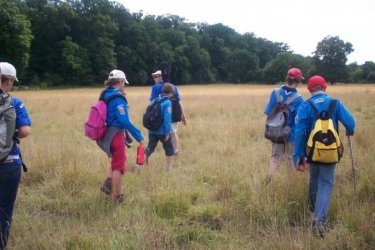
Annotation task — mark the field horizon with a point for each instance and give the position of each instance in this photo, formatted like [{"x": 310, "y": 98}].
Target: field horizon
[{"x": 213, "y": 199}]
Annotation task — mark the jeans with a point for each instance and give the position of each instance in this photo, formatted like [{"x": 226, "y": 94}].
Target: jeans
[
  {"x": 322, "y": 178},
  {"x": 10, "y": 174}
]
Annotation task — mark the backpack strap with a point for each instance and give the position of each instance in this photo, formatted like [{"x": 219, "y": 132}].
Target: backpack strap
[
  {"x": 316, "y": 112},
  {"x": 331, "y": 108},
  {"x": 278, "y": 96},
  {"x": 291, "y": 99}
]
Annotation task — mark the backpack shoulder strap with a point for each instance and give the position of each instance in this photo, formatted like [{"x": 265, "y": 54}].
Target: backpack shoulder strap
[
  {"x": 292, "y": 98},
  {"x": 331, "y": 108},
  {"x": 316, "y": 112},
  {"x": 278, "y": 96}
]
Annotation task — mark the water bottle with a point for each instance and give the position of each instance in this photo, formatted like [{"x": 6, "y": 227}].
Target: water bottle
[{"x": 140, "y": 155}]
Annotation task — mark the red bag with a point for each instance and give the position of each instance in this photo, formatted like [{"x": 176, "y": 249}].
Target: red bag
[{"x": 140, "y": 155}]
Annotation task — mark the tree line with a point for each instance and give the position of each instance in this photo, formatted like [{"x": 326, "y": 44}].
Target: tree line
[{"x": 77, "y": 42}]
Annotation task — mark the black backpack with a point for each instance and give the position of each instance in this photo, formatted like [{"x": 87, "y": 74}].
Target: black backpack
[
  {"x": 176, "y": 109},
  {"x": 153, "y": 117}
]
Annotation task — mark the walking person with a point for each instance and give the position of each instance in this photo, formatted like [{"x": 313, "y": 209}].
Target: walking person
[
  {"x": 321, "y": 174},
  {"x": 163, "y": 133},
  {"x": 18, "y": 122},
  {"x": 113, "y": 142},
  {"x": 178, "y": 113},
  {"x": 286, "y": 94}
]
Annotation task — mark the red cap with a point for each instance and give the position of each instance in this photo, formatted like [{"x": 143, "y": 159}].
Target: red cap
[
  {"x": 316, "y": 80},
  {"x": 294, "y": 73}
]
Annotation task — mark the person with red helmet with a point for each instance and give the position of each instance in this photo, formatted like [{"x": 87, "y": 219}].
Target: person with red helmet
[
  {"x": 321, "y": 174},
  {"x": 285, "y": 94}
]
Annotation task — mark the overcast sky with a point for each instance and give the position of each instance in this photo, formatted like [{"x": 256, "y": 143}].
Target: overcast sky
[{"x": 299, "y": 23}]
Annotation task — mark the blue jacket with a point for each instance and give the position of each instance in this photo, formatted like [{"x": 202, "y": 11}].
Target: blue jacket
[
  {"x": 305, "y": 121},
  {"x": 118, "y": 114},
  {"x": 22, "y": 119},
  {"x": 157, "y": 90},
  {"x": 166, "y": 109},
  {"x": 285, "y": 92}
]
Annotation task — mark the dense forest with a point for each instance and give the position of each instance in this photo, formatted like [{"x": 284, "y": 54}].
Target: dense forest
[{"x": 77, "y": 42}]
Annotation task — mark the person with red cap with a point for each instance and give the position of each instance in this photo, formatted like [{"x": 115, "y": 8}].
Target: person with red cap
[
  {"x": 285, "y": 94},
  {"x": 321, "y": 175}
]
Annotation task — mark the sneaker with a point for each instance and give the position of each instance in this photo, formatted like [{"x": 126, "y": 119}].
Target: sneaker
[
  {"x": 318, "y": 229},
  {"x": 136, "y": 169},
  {"x": 176, "y": 152},
  {"x": 119, "y": 199},
  {"x": 107, "y": 186}
]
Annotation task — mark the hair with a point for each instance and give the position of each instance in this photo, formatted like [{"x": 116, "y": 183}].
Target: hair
[
  {"x": 168, "y": 88},
  {"x": 317, "y": 88},
  {"x": 112, "y": 81},
  {"x": 290, "y": 81}
]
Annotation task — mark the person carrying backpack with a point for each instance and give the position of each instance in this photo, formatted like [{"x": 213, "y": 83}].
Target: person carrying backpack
[
  {"x": 286, "y": 99},
  {"x": 163, "y": 133},
  {"x": 320, "y": 108},
  {"x": 178, "y": 113},
  {"x": 14, "y": 125},
  {"x": 113, "y": 142}
]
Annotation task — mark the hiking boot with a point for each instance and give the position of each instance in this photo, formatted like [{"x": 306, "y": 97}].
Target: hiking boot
[
  {"x": 136, "y": 169},
  {"x": 107, "y": 186},
  {"x": 119, "y": 199},
  {"x": 318, "y": 229}
]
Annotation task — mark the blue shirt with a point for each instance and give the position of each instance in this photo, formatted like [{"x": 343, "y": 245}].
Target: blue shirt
[
  {"x": 286, "y": 92},
  {"x": 22, "y": 119},
  {"x": 118, "y": 114},
  {"x": 157, "y": 90},
  {"x": 305, "y": 121},
  {"x": 166, "y": 109}
]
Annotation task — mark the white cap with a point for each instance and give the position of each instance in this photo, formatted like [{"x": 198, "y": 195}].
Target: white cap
[
  {"x": 118, "y": 74},
  {"x": 157, "y": 73},
  {"x": 8, "y": 69}
]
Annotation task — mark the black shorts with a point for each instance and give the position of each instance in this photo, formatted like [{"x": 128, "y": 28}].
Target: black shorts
[{"x": 153, "y": 142}]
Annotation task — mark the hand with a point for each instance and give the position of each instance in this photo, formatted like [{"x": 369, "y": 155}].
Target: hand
[
  {"x": 302, "y": 164},
  {"x": 183, "y": 120},
  {"x": 166, "y": 138}
]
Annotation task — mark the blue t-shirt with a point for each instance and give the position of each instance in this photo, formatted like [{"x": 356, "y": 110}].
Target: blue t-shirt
[
  {"x": 118, "y": 114},
  {"x": 305, "y": 121},
  {"x": 157, "y": 90},
  {"x": 22, "y": 119}
]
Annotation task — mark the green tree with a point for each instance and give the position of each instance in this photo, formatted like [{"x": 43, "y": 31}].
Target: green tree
[
  {"x": 330, "y": 58},
  {"x": 16, "y": 36}
]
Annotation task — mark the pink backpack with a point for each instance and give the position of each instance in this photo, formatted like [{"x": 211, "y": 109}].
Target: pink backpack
[{"x": 95, "y": 126}]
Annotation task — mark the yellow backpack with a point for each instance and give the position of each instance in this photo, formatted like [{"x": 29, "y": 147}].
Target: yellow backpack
[{"x": 324, "y": 145}]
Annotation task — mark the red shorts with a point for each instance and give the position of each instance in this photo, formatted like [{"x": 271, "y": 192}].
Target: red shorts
[{"x": 118, "y": 153}]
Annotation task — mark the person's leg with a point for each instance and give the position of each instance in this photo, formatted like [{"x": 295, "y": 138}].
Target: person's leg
[
  {"x": 278, "y": 151},
  {"x": 118, "y": 163},
  {"x": 169, "y": 152},
  {"x": 175, "y": 137},
  {"x": 152, "y": 143},
  {"x": 289, "y": 147},
  {"x": 313, "y": 185},
  {"x": 325, "y": 184},
  {"x": 10, "y": 175}
]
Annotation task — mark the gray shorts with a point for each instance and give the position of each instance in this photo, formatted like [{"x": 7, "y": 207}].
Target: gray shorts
[{"x": 282, "y": 151}]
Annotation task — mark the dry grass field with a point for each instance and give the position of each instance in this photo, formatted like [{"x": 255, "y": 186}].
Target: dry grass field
[{"x": 213, "y": 199}]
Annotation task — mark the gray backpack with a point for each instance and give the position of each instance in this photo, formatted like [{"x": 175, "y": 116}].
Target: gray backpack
[
  {"x": 7, "y": 126},
  {"x": 277, "y": 129}
]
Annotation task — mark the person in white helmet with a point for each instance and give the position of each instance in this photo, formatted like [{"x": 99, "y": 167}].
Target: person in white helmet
[{"x": 10, "y": 161}]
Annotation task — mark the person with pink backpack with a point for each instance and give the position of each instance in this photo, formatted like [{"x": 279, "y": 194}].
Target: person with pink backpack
[{"x": 113, "y": 141}]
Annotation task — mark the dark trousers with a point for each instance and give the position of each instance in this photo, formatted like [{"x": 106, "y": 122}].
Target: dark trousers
[{"x": 10, "y": 174}]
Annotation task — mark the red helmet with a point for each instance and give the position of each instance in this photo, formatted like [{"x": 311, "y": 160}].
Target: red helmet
[
  {"x": 316, "y": 80},
  {"x": 294, "y": 73}
]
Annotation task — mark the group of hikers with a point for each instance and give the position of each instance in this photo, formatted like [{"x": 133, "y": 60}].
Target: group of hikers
[
  {"x": 300, "y": 122},
  {"x": 311, "y": 141}
]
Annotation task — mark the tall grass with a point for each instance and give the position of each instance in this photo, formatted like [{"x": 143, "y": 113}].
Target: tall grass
[{"x": 213, "y": 199}]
